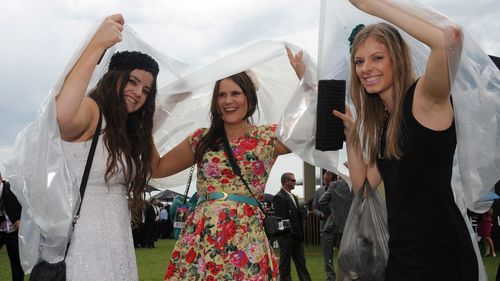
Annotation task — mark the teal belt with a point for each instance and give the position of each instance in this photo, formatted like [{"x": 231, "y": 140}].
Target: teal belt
[{"x": 231, "y": 197}]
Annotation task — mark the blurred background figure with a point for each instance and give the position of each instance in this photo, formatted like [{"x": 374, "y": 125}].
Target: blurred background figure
[
  {"x": 484, "y": 226},
  {"x": 164, "y": 222},
  {"x": 337, "y": 202},
  {"x": 327, "y": 238},
  {"x": 10, "y": 213},
  {"x": 150, "y": 224}
]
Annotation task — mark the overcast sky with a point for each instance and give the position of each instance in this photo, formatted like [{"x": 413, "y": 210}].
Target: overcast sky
[{"x": 38, "y": 37}]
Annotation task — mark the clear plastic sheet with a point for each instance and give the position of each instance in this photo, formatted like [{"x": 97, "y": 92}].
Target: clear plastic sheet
[
  {"x": 186, "y": 108},
  {"x": 297, "y": 127},
  {"x": 282, "y": 100},
  {"x": 475, "y": 92},
  {"x": 40, "y": 177},
  {"x": 364, "y": 249},
  {"x": 182, "y": 106}
]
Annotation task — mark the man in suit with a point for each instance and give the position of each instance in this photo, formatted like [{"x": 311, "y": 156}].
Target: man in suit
[
  {"x": 326, "y": 237},
  {"x": 150, "y": 224},
  {"x": 157, "y": 205},
  {"x": 337, "y": 202},
  {"x": 291, "y": 245},
  {"x": 10, "y": 213},
  {"x": 164, "y": 223}
]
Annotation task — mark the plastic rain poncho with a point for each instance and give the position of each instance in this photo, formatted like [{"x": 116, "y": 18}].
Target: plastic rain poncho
[
  {"x": 282, "y": 100},
  {"x": 475, "y": 91},
  {"x": 46, "y": 186},
  {"x": 41, "y": 179}
]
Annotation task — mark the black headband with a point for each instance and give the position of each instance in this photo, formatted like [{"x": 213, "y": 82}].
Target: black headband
[
  {"x": 130, "y": 60},
  {"x": 354, "y": 32}
]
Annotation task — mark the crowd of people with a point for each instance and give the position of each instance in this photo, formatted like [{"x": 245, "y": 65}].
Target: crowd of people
[
  {"x": 404, "y": 128},
  {"x": 155, "y": 224},
  {"x": 330, "y": 207}
]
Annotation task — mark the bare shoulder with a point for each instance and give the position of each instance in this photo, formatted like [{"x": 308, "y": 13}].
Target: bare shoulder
[
  {"x": 85, "y": 123},
  {"x": 437, "y": 116}
]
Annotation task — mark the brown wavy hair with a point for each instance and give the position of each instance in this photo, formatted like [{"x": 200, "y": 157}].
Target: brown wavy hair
[
  {"x": 212, "y": 139},
  {"x": 369, "y": 108},
  {"x": 127, "y": 137}
]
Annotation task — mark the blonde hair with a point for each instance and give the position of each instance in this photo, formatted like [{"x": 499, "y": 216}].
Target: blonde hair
[{"x": 369, "y": 108}]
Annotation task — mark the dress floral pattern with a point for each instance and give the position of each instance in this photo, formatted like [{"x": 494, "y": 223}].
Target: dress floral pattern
[{"x": 225, "y": 240}]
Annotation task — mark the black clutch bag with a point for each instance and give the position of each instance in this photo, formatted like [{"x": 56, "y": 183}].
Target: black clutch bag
[
  {"x": 330, "y": 129},
  {"x": 44, "y": 271}
]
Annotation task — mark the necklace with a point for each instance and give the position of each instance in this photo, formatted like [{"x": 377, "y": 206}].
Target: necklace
[{"x": 383, "y": 131}]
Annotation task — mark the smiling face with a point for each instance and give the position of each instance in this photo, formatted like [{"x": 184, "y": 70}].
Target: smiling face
[
  {"x": 137, "y": 89},
  {"x": 374, "y": 67},
  {"x": 231, "y": 102}
]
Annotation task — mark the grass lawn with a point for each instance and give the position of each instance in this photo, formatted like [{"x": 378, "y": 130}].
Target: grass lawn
[{"x": 152, "y": 263}]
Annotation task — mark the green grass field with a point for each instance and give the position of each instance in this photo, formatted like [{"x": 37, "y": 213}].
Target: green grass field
[{"x": 152, "y": 263}]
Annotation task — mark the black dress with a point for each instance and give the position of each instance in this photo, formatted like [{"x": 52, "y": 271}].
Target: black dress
[{"x": 429, "y": 239}]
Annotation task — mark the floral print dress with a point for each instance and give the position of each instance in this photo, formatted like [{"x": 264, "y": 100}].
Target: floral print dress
[{"x": 225, "y": 240}]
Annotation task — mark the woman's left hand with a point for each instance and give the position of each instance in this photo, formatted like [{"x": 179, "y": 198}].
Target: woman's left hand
[
  {"x": 347, "y": 120},
  {"x": 297, "y": 62}
]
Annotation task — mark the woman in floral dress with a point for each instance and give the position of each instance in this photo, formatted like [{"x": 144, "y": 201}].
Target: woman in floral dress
[{"x": 224, "y": 238}]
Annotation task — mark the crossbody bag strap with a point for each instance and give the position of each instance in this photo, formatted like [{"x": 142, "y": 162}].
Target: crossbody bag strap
[
  {"x": 86, "y": 173},
  {"x": 88, "y": 165},
  {"x": 236, "y": 169},
  {"x": 188, "y": 183}
]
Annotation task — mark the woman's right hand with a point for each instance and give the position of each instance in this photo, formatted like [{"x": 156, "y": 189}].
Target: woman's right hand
[
  {"x": 109, "y": 32},
  {"x": 346, "y": 119},
  {"x": 297, "y": 62}
]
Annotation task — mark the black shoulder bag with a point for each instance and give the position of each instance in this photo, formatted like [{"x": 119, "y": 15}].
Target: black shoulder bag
[
  {"x": 273, "y": 226},
  {"x": 43, "y": 270}
]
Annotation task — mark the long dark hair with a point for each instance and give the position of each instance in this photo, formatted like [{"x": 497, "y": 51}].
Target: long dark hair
[
  {"x": 212, "y": 139},
  {"x": 127, "y": 137}
]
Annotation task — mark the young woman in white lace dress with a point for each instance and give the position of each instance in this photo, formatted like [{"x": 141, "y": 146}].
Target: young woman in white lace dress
[{"x": 101, "y": 246}]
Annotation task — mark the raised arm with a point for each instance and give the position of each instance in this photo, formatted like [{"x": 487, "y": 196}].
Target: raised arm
[
  {"x": 280, "y": 149},
  {"x": 75, "y": 113},
  {"x": 297, "y": 62},
  {"x": 443, "y": 37},
  {"x": 359, "y": 169},
  {"x": 174, "y": 161}
]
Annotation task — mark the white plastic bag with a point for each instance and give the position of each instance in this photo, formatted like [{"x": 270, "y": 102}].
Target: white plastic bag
[{"x": 364, "y": 249}]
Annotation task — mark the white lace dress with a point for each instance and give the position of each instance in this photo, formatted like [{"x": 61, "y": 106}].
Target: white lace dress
[{"x": 101, "y": 246}]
